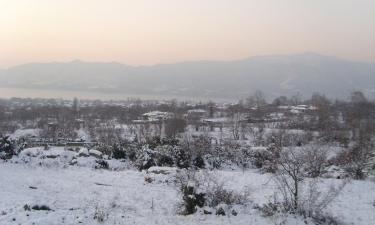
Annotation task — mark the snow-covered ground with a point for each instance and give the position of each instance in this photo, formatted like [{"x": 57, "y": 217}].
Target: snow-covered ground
[
  {"x": 24, "y": 133},
  {"x": 77, "y": 193}
]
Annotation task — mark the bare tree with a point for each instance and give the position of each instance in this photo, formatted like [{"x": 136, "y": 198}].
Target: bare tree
[
  {"x": 296, "y": 99},
  {"x": 322, "y": 111},
  {"x": 258, "y": 99},
  {"x": 301, "y": 194},
  {"x": 289, "y": 177},
  {"x": 235, "y": 126},
  {"x": 257, "y": 132},
  {"x": 174, "y": 126},
  {"x": 358, "y": 97}
]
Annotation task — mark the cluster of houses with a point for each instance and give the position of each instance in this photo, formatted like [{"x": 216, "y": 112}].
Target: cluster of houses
[
  {"x": 298, "y": 109},
  {"x": 69, "y": 143},
  {"x": 154, "y": 122},
  {"x": 54, "y": 136},
  {"x": 198, "y": 118}
]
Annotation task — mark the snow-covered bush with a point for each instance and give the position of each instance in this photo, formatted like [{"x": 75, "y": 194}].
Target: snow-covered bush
[
  {"x": 198, "y": 162},
  {"x": 7, "y": 148},
  {"x": 145, "y": 158},
  {"x": 243, "y": 157},
  {"x": 259, "y": 156},
  {"x": 101, "y": 164},
  {"x": 118, "y": 152},
  {"x": 164, "y": 155},
  {"x": 316, "y": 160},
  {"x": 104, "y": 148},
  {"x": 157, "y": 141},
  {"x": 131, "y": 150},
  {"x": 182, "y": 157},
  {"x": 202, "y": 188},
  {"x": 271, "y": 208},
  {"x": 191, "y": 199},
  {"x": 272, "y": 158},
  {"x": 227, "y": 154},
  {"x": 164, "y": 160},
  {"x": 354, "y": 160},
  {"x": 100, "y": 214},
  {"x": 217, "y": 195},
  {"x": 192, "y": 196},
  {"x": 200, "y": 146}
]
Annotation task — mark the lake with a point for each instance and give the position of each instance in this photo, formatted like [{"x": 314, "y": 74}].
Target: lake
[{"x": 64, "y": 94}]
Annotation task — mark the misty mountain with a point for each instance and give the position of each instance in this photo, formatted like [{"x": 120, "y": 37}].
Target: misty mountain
[{"x": 274, "y": 75}]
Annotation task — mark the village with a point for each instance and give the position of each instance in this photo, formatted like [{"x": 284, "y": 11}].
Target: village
[{"x": 76, "y": 130}]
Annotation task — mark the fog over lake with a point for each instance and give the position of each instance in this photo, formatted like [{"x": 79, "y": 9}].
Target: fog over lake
[{"x": 90, "y": 95}]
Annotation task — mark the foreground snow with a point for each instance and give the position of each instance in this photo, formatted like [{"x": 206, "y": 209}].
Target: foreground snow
[{"x": 75, "y": 193}]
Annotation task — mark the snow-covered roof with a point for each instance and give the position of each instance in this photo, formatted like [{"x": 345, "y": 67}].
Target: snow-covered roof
[
  {"x": 216, "y": 120},
  {"x": 197, "y": 111},
  {"x": 283, "y": 107},
  {"x": 156, "y": 115}
]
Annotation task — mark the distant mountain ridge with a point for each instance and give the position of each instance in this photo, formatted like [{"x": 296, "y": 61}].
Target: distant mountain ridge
[{"x": 275, "y": 75}]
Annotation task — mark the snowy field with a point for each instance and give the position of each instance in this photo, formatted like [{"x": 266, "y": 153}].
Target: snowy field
[{"x": 75, "y": 194}]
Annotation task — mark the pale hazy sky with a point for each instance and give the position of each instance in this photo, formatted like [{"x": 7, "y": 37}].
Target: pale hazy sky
[{"x": 161, "y": 31}]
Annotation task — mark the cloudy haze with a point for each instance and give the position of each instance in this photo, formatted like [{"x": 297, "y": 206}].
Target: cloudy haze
[{"x": 165, "y": 31}]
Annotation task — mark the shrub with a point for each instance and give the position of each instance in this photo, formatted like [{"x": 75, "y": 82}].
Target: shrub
[
  {"x": 27, "y": 207},
  {"x": 199, "y": 188},
  {"x": 217, "y": 195},
  {"x": 316, "y": 160},
  {"x": 118, "y": 152},
  {"x": 131, "y": 151},
  {"x": 100, "y": 215},
  {"x": 200, "y": 145},
  {"x": 327, "y": 219},
  {"x": 154, "y": 142},
  {"x": 101, "y": 164},
  {"x": 214, "y": 162},
  {"x": 188, "y": 185},
  {"x": 165, "y": 160},
  {"x": 219, "y": 155},
  {"x": 243, "y": 157},
  {"x": 260, "y": 157},
  {"x": 145, "y": 158},
  {"x": 181, "y": 157},
  {"x": 7, "y": 148},
  {"x": 191, "y": 199},
  {"x": 354, "y": 160},
  {"x": 170, "y": 141},
  {"x": 271, "y": 208},
  {"x": 220, "y": 211},
  {"x": 164, "y": 155},
  {"x": 41, "y": 207},
  {"x": 198, "y": 162}
]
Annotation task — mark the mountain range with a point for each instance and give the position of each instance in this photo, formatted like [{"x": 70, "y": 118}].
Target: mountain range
[{"x": 275, "y": 75}]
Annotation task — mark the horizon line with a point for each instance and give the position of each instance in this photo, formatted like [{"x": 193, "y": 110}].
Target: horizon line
[{"x": 188, "y": 61}]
